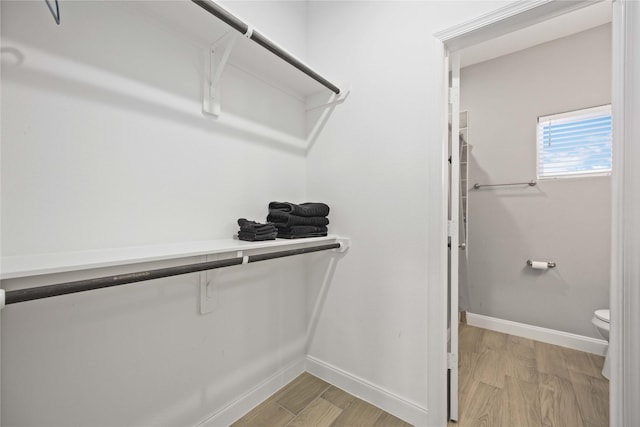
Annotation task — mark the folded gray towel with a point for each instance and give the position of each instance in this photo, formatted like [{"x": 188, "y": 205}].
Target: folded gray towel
[
  {"x": 281, "y": 219},
  {"x": 302, "y": 229},
  {"x": 300, "y": 236},
  {"x": 303, "y": 209},
  {"x": 255, "y": 227},
  {"x": 252, "y": 237}
]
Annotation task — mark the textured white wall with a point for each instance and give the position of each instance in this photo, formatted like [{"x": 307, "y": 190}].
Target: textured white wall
[{"x": 564, "y": 220}]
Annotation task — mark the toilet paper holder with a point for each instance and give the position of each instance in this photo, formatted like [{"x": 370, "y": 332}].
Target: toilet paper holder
[{"x": 550, "y": 264}]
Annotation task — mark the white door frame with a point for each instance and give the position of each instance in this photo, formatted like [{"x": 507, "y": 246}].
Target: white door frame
[
  {"x": 452, "y": 229},
  {"x": 624, "y": 345},
  {"x": 625, "y": 268}
]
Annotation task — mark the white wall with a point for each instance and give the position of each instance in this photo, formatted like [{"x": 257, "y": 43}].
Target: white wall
[
  {"x": 379, "y": 162},
  {"x": 104, "y": 145},
  {"x": 107, "y": 118},
  {"x": 564, "y": 220}
]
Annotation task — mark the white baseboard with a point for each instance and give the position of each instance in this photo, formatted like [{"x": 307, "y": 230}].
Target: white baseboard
[
  {"x": 378, "y": 396},
  {"x": 243, "y": 404},
  {"x": 551, "y": 336}
]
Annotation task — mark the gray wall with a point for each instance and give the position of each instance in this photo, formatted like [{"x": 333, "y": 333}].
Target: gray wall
[{"x": 564, "y": 220}]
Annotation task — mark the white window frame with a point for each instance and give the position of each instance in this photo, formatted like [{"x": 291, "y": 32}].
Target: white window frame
[{"x": 565, "y": 117}]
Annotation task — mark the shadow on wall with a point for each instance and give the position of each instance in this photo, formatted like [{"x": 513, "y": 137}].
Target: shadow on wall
[
  {"x": 143, "y": 67},
  {"x": 185, "y": 113},
  {"x": 321, "y": 271}
]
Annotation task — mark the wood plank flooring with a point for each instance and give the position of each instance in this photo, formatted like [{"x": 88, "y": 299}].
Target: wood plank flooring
[
  {"x": 504, "y": 381},
  {"x": 311, "y": 402},
  {"x": 511, "y": 381}
]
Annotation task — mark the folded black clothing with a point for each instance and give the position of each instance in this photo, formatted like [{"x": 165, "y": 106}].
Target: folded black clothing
[
  {"x": 303, "y": 209},
  {"x": 261, "y": 234},
  {"x": 247, "y": 225},
  {"x": 302, "y": 229},
  {"x": 258, "y": 228},
  {"x": 300, "y": 236},
  {"x": 252, "y": 237},
  {"x": 281, "y": 219}
]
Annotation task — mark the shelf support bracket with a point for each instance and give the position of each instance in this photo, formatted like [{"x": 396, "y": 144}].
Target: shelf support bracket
[
  {"x": 320, "y": 118},
  {"x": 208, "y": 289},
  {"x": 215, "y": 60}
]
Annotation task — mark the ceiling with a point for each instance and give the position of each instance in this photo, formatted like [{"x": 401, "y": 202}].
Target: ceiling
[{"x": 555, "y": 28}]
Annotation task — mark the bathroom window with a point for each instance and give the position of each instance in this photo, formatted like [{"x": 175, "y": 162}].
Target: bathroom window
[{"x": 577, "y": 143}]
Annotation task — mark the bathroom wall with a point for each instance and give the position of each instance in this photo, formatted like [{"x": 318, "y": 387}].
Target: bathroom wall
[
  {"x": 564, "y": 220},
  {"x": 104, "y": 145}
]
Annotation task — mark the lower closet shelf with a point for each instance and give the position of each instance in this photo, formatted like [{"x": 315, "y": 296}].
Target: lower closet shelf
[
  {"x": 14, "y": 267},
  {"x": 285, "y": 248}
]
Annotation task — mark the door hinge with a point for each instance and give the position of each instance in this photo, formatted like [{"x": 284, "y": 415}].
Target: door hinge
[
  {"x": 452, "y": 360},
  {"x": 454, "y": 95},
  {"x": 452, "y": 228}
]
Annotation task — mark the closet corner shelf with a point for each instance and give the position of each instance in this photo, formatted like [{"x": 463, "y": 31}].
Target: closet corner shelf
[
  {"x": 14, "y": 267},
  {"x": 253, "y": 51}
]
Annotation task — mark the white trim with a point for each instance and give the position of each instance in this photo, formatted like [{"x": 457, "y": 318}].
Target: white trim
[
  {"x": 616, "y": 377},
  {"x": 436, "y": 257},
  {"x": 233, "y": 411},
  {"x": 382, "y": 398},
  {"x": 625, "y": 275},
  {"x": 454, "y": 254},
  {"x": 511, "y": 17},
  {"x": 551, "y": 336}
]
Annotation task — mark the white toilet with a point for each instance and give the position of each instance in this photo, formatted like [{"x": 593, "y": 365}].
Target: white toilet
[{"x": 601, "y": 319}]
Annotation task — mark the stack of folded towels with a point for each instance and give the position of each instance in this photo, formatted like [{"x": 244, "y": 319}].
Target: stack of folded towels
[
  {"x": 298, "y": 221},
  {"x": 254, "y": 231}
]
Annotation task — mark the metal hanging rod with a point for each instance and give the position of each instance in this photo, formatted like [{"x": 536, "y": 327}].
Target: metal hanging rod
[
  {"x": 233, "y": 21},
  {"x": 530, "y": 184},
  {"x": 39, "y": 292},
  {"x": 56, "y": 13}
]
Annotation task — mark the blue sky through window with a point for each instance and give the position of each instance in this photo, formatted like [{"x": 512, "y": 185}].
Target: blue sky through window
[{"x": 575, "y": 143}]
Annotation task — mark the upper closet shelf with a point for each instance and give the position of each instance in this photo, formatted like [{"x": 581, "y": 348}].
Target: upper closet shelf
[
  {"x": 212, "y": 25},
  {"x": 14, "y": 267}
]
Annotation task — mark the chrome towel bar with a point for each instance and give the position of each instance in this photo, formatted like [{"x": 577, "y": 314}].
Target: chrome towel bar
[{"x": 530, "y": 184}]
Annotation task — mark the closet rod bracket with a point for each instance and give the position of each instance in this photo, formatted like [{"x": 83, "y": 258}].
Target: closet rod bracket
[
  {"x": 345, "y": 244},
  {"x": 215, "y": 61},
  {"x": 336, "y": 99}
]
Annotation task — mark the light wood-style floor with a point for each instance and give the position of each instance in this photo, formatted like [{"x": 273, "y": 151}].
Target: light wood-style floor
[
  {"x": 504, "y": 381},
  {"x": 310, "y": 401},
  {"x": 510, "y": 381}
]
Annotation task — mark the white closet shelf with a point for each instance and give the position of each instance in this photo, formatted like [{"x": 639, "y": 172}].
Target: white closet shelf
[
  {"x": 14, "y": 267},
  {"x": 206, "y": 30}
]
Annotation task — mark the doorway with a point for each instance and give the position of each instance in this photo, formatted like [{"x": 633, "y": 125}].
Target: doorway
[{"x": 457, "y": 47}]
